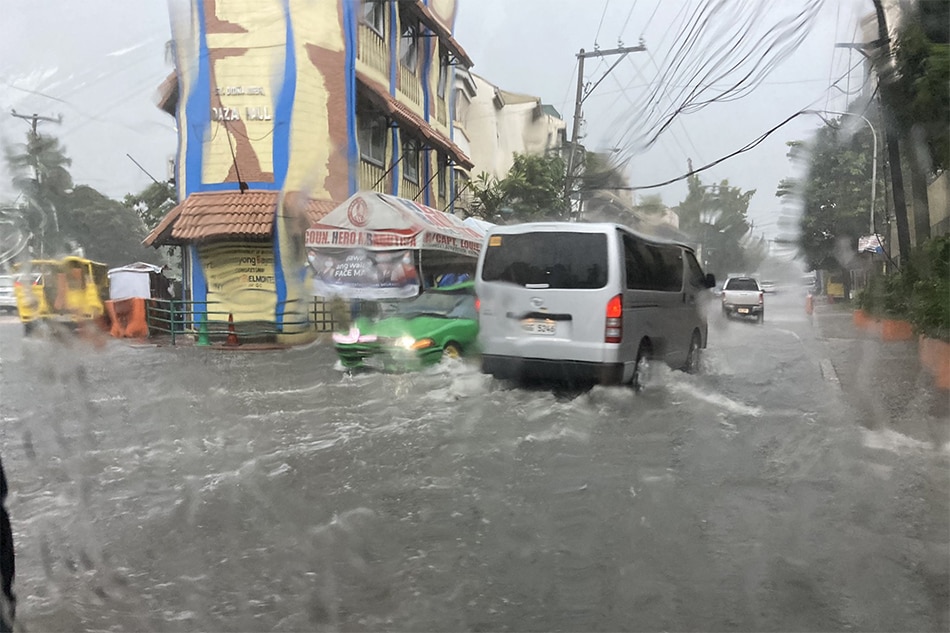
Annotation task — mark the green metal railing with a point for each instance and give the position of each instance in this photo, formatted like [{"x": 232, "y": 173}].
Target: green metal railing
[{"x": 206, "y": 321}]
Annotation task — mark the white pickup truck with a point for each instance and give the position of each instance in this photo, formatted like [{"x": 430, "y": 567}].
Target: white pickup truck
[{"x": 742, "y": 297}]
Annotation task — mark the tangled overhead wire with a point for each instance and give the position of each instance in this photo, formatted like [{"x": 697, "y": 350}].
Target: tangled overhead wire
[{"x": 723, "y": 51}]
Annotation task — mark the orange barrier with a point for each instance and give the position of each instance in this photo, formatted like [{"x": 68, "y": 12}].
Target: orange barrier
[
  {"x": 128, "y": 318},
  {"x": 232, "y": 335},
  {"x": 896, "y": 330},
  {"x": 809, "y": 304}
]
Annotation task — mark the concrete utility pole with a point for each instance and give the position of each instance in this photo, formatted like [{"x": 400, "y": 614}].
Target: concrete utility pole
[
  {"x": 36, "y": 118},
  {"x": 582, "y": 95}
]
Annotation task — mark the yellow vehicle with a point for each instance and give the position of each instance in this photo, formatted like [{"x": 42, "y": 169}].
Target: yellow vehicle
[{"x": 71, "y": 290}]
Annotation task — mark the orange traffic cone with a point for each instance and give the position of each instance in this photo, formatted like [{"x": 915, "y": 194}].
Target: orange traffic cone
[{"x": 232, "y": 335}]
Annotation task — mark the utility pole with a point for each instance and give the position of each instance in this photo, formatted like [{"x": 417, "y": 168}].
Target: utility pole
[
  {"x": 35, "y": 119},
  {"x": 582, "y": 94}
]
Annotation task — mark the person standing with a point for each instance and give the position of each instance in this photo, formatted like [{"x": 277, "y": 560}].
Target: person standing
[{"x": 7, "y": 565}]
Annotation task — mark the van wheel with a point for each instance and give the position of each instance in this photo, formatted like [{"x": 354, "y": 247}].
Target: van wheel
[
  {"x": 641, "y": 371},
  {"x": 451, "y": 350},
  {"x": 694, "y": 355}
]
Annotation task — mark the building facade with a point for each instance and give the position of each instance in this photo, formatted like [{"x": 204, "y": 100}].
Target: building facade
[
  {"x": 286, "y": 108},
  {"x": 492, "y": 125}
]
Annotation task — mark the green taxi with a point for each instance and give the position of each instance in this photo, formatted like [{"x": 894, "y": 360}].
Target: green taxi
[{"x": 440, "y": 322}]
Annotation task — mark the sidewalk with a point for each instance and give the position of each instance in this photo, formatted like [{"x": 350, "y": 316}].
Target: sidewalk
[{"x": 884, "y": 381}]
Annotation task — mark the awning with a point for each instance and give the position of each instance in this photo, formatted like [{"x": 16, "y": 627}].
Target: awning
[
  {"x": 406, "y": 117},
  {"x": 379, "y": 222},
  {"x": 222, "y": 214}
]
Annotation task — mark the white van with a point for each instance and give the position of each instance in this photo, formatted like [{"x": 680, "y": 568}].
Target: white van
[{"x": 587, "y": 303}]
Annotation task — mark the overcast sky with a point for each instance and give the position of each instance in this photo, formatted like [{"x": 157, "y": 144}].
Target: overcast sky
[{"x": 98, "y": 64}]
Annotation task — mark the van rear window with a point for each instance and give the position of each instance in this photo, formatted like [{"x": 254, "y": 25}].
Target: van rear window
[{"x": 548, "y": 260}]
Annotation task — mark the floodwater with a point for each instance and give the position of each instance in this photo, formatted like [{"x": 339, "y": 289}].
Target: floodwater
[{"x": 184, "y": 489}]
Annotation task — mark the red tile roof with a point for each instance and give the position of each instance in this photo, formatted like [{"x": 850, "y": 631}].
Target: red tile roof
[
  {"x": 405, "y": 116},
  {"x": 425, "y": 14},
  {"x": 219, "y": 214}
]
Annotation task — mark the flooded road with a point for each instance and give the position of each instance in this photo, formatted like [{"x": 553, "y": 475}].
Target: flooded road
[{"x": 182, "y": 489}]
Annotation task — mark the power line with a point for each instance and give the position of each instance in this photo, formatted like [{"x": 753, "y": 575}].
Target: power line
[
  {"x": 745, "y": 148},
  {"x": 602, "y": 16}
]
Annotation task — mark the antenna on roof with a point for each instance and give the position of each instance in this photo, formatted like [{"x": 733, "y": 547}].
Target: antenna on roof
[{"x": 237, "y": 172}]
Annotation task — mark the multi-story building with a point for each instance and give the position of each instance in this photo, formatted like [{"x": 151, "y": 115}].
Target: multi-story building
[
  {"x": 492, "y": 125},
  {"x": 287, "y": 107}
]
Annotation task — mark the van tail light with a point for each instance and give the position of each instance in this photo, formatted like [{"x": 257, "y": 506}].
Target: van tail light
[
  {"x": 478, "y": 304},
  {"x": 613, "y": 332}
]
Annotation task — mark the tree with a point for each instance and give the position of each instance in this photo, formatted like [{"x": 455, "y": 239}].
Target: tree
[
  {"x": 716, "y": 216},
  {"x": 604, "y": 189},
  {"x": 153, "y": 203},
  {"x": 60, "y": 218},
  {"x": 107, "y": 230},
  {"x": 532, "y": 190},
  {"x": 833, "y": 196},
  {"x": 921, "y": 87},
  {"x": 40, "y": 175},
  {"x": 917, "y": 94}
]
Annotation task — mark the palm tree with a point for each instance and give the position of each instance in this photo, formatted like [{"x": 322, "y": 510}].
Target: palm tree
[{"x": 40, "y": 174}]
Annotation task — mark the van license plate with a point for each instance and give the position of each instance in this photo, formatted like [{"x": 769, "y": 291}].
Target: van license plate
[
  {"x": 539, "y": 327},
  {"x": 743, "y": 310}
]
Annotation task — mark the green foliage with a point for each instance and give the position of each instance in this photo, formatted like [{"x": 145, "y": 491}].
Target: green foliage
[
  {"x": 107, "y": 230},
  {"x": 60, "y": 217},
  {"x": 920, "y": 292},
  {"x": 717, "y": 217},
  {"x": 835, "y": 193},
  {"x": 651, "y": 205},
  {"x": 919, "y": 95},
  {"x": 40, "y": 175},
  {"x": 533, "y": 189},
  {"x": 153, "y": 203}
]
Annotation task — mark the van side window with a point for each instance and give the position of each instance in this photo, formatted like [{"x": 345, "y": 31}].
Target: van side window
[
  {"x": 696, "y": 277},
  {"x": 671, "y": 268},
  {"x": 651, "y": 266},
  {"x": 638, "y": 262}
]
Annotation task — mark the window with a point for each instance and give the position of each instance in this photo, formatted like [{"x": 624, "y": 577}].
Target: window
[
  {"x": 462, "y": 104},
  {"x": 372, "y": 131},
  {"x": 374, "y": 16},
  {"x": 443, "y": 75},
  {"x": 548, "y": 259},
  {"x": 409, "y": 41},
  {"x": 696, "y": 276},
  {"x": 443, "y": 167},
  {"x": 410, "y": 160},
  {"x": 652, "y": 267}
]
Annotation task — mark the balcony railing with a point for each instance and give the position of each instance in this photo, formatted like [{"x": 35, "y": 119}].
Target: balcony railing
[
  {"x": 409, "y": 85},
  {"x": 372, "y": 50},
  {"x": 410, "y": 190},
  {"x": 441, "y": 111},
  {"x": 369, "y": 175}
]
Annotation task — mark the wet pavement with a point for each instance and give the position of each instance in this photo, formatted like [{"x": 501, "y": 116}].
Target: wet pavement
[{"x": 183, "y": 489}]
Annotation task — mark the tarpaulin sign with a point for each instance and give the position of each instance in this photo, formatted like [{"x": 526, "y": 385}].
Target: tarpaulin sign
[{"x": 362, "y": 274}]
